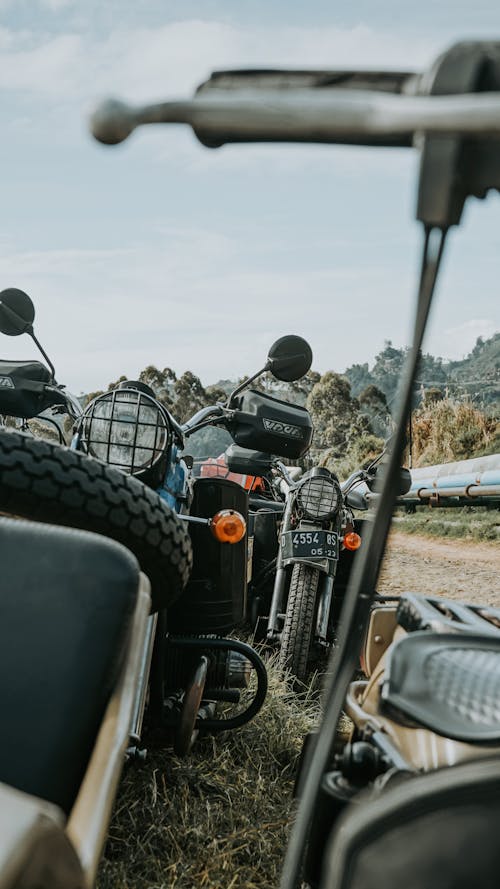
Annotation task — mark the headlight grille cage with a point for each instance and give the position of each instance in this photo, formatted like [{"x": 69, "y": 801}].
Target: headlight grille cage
[
  {"x": 319, "y": 497},
  {"x": 127, "y": 429}
]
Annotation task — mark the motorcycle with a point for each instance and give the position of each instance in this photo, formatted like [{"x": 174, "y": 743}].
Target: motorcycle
[
  {"x": 319, "y": 535},
  {"x": 423, "y": 816},
  {"x": 307, "y": 536},
  {"x": 132, "y": 446}
]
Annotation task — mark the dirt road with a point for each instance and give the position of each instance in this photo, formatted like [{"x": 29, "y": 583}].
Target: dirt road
[{"x": 458, "y": 569}]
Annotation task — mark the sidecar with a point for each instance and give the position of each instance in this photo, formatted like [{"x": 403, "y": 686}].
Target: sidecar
[{"x": 74, "y": 611}]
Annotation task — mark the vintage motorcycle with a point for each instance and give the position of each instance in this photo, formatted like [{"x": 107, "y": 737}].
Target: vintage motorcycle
[
  {"x": 127, "y": 433},
  {"x": 306, "y": 531},
  {"x": 422, "y": 770}
]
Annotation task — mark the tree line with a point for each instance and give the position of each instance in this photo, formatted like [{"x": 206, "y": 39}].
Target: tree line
[{"x": 352, "y": 412}]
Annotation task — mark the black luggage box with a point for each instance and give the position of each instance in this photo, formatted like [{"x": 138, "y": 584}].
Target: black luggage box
[{"x": 268, "y": 424}]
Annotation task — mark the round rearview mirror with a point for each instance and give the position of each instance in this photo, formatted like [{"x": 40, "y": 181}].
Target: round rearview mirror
[
  {"x": 17, "y": 312},
  {"x": 289, "y": 358},
  {"x": 404, "y": 481}
]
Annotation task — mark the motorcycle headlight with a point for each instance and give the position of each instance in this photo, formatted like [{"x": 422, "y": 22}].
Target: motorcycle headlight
[
  {"x": 126, "y": 429},
  {"x": 319, "y": 496}
]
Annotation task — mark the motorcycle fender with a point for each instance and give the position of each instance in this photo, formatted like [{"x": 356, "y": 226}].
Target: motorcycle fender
[
  {"x": 327, "y": 566},
  {"x": 214, "y": 599}
]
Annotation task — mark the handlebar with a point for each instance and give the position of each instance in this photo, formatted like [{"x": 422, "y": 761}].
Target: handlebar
[
  {"x": 330, "y": 115},
  {"x": 65, "y": 399},
  {"x": 202, "y": 418}
]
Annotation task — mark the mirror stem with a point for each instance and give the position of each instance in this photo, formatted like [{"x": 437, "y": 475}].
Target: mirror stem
[
  {"x": 245, "y": 384},
  {"x": 29, "y": 330}
]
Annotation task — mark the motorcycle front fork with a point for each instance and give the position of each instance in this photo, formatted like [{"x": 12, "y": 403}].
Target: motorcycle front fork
[{"x": 276, "y": 612}]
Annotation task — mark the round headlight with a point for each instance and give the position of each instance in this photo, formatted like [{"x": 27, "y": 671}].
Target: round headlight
[
  {"x": 319, "y": 497},
  {"x": 126, "y": 429}
]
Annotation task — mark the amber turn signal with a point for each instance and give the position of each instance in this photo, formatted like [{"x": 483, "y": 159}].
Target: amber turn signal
[
  {"x": 228, "y": 526},
  {"x": 352, "y": 541}
]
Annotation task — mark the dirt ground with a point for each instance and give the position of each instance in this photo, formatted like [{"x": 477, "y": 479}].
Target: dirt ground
[{"x": 458, "y": 569}]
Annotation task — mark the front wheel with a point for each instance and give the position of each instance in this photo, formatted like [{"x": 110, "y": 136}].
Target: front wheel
[{"x": 299, "y": 620}]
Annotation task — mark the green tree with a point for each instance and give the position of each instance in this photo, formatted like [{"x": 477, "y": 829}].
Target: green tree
[
  {"x": 359, "y": 377},
  {"x": 336, "y": 415},
  {"x": 189, "y": 396},
  {"x": 162, "y": 383},
  {"x": 373, "y": 405},
  {"x": 387, "y": 369}
]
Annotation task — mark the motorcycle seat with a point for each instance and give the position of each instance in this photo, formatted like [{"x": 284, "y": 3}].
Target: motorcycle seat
[
  {"x": 447, "y": 682},
  {"x": 67, "y": 599}
]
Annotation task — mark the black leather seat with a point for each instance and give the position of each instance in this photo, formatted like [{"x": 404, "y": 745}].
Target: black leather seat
[
  {"x": 448, "y": 682},
  {"x": 66, "y": 603}
]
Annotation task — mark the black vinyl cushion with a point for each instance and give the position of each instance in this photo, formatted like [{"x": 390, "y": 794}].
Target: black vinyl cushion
[
  {"x": 433, "y": 831},
  {"x": 66, "y": 603},
  {"x": 25, "y": 395},
  {"x": 449, "y": 683}
]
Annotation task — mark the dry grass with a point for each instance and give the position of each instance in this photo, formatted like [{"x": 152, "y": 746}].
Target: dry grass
[
  {"x": 446, "y": 430},
  {"x": 467, "y": 522},
  {"x": 220, "y": 817}
]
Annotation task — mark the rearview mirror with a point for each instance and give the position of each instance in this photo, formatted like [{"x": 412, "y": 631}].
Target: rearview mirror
[
  {"x": 289, "y": 358},
  {"x": 17, "y": 312},
  {"x": 404, "y": 485}
]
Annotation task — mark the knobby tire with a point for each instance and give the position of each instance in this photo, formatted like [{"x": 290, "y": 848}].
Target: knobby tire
[{"x": 49, "y": 483}]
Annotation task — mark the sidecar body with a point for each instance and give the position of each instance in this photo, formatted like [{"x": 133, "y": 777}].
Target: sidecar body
[{"x": 74, "y": 610}]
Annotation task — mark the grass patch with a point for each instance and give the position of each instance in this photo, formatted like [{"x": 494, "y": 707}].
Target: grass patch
[
  {"x": 470, "y": 523},
  {"x": 220, "y": 817}
]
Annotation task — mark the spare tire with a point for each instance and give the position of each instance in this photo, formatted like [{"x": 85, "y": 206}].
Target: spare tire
[{"x": 50, "y": 483}]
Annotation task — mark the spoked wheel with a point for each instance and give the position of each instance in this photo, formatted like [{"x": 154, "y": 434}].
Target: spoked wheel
[
  {"x": 298, "y": 627},
  {"x": 49, "y": 483}
]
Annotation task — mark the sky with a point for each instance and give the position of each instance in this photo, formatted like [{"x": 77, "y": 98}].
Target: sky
[{"x": 160, "y": 251}]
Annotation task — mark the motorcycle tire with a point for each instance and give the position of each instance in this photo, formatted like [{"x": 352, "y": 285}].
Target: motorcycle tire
[
  {"x": 298, "y": 627},
  {"x": 49, "y": 483}
]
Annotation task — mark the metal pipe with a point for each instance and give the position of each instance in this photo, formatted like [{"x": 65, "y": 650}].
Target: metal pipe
[
  {"x": 324, "y": 606},
  {"x": 276, "y": 602},
  {"x": 472, "y": 491},
  {"x": 142, "y": 685},
  {"x": 326, "y": 115}
]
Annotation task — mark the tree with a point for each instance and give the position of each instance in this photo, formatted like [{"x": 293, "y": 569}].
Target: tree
[
  {"x": 162, "y": 383},
  {"x": 189, "y": 396},
  {"x": 387, "y": 369},
  {"x": 298, "y": 391},
  {"x": 373, "y": 406},
  {"x": 335, "y": 414},
  {"x": 359, "y": 377}
]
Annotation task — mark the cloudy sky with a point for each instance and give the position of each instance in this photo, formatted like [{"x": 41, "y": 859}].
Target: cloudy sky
[{"x": 161, "y": 251}]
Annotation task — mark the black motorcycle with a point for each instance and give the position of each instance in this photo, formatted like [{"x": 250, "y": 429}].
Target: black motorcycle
[
  {"x": 309, "y": 530},
  {"x": 123, "y": 477}
]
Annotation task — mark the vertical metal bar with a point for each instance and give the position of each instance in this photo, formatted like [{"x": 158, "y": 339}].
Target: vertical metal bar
[
  {"x": 325, "y": 595},
  {"x": 276, "y": 602},
  {"x": 142, "y": 685}
]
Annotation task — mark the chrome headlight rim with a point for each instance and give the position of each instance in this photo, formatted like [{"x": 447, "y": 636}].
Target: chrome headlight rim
[
  {"x": 145, "y": 414},
  {"x": 319, "y": 497}
]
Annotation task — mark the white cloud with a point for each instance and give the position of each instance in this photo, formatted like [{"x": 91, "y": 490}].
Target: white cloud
[
  {"x": 52, "y": 67},
  {"x": 197, "y": 300},
  {"x": 143, "y": 63}
]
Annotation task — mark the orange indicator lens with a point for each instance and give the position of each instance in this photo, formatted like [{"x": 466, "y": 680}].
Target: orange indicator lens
[
  {"x": 228, "y": 526},
  {"x": 352, "y": 541}
]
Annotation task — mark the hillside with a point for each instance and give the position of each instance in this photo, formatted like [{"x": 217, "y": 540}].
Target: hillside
[{"x": 477, "y": 375}]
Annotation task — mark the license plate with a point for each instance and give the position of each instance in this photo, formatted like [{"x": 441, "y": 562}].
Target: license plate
[{"x": 310, "y": 544}]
